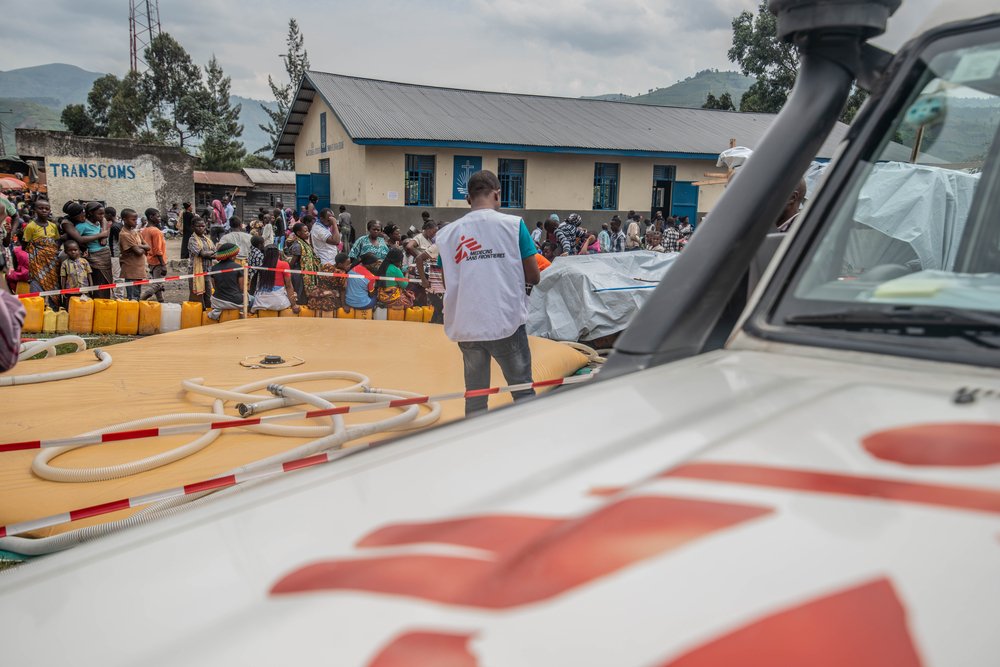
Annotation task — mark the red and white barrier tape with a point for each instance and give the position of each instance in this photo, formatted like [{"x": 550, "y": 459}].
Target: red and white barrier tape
[
  {"x": 153, "y": 281},
  {"x": 110, "y": 286},
  {"x": 212, "y": 484},
  {"x": 140, "y": 434}
]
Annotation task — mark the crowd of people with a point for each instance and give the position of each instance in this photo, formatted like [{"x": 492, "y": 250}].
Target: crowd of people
[
  {"x": 556, "y": 237},
  {"x": 272, "y": 263},
  {"x": 281, "y": 242},
  {"x": 43, "y": 251}
]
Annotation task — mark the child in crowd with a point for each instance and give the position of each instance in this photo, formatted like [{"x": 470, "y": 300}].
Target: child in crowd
[
  {"x": 254, "y": 259},
  {"x": 17, "y": 272},
  {"x": 654, "y": 241},
  {"x": 393, "y": 295},
  {"x": 228, "y": 292},
  {"x": 200, "y": 250},
  {"x": 75, "y": 270},
  {"x": 329, "y": 292},
  {"x": 274, "y": 289},
  {"x": 360, "y": 293},
  {"x": 152, "y": 235},
  {"x": 133, "y": 257}
]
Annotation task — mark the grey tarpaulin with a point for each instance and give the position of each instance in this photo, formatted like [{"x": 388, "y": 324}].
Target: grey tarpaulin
[
  {"x": 565, "y": 305},
  {"x": 922, "y": 206}
]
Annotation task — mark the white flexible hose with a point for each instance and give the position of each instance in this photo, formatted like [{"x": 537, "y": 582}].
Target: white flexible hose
[
  {"x": 41, "y": 467},
  {"x": 328, "y": 437},
  {"x": 34, "y": 348},
  {"x": 593, "y": 356}
]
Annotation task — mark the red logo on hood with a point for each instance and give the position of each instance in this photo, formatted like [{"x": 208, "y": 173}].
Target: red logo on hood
[{"x": 530, "y": 559}]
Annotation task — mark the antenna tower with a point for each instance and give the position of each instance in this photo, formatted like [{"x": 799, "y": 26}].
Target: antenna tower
[{"x": 144, "y": 27}]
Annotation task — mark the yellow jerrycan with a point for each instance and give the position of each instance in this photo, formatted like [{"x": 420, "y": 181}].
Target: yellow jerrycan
[
  {"x": 150, "y": 314},
  {"x": 34, "y": 314},
  {"x": 62, "y": 321},
  {"x": 81, "y": 315},
  {"x": 128, "y": 318},
  {"x": 49, "y": 321},
  {"x": 190, "y": 314},
  {"x": 105, "y": 316}
]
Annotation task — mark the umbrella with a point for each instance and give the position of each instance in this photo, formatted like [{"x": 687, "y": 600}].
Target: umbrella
[{"x": 11, "y": 184}]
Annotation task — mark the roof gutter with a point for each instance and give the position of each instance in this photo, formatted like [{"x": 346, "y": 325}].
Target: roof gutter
[
  {"x": 527, "y": 148},
  {"x": 682, "y": 312}
]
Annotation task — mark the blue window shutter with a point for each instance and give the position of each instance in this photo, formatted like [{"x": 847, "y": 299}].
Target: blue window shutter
[{"x": 511, "y": 174}]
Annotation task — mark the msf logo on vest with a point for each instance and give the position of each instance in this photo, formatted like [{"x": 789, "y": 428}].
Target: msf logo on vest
[
  {"x": 466, "y": 246},
  {"x": 470, "y": 249}
]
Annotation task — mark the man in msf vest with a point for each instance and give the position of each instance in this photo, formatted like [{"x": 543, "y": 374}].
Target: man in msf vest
[{"x": 487, "y": 257}]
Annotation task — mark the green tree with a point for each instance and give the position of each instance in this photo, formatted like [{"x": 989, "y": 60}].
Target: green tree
[
  {"x": 78, "y": 121},
  {"x": 296, "y": 61},
  {"x": 775, "y": 64},
  {"x": 102, "y": 92},
  {"x": 115, "y": 108},
  {"x": 128, "y": 116},
  {"x": 723, "y": 102},
  {"x": 759, "y": 54},
  {"x": 854, "y": 102},
  {"x": 255, "y": 162},
  {"x": 221, "y": 149},
  {"x": 182, "y": 111}
]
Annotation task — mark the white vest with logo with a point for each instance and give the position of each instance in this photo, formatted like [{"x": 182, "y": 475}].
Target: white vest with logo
[{"x": 484, "y": 279}]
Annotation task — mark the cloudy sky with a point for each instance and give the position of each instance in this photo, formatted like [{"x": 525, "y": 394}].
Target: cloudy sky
[{"x": 552, "y": 47}]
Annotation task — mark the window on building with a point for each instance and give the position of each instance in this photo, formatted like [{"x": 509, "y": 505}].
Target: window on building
[
  {"x": 511, "y": 183},
  {"x": 322, "y": 133},
  {"x": 324, "y": 166},
  {"x": 605, "y": 186},
  {"x": 420, "y": 180},
  {"x": 664, "y": 172}
]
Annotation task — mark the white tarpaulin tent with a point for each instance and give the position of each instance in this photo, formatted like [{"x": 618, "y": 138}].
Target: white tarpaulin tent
[
  {"x": 924, "y": 207},
  {"x": 591, "y": 296}
]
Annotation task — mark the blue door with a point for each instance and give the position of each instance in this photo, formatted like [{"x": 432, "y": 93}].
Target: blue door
[
  {"x": 685, "y": 201},
  {"x": 312, "y": 184}
]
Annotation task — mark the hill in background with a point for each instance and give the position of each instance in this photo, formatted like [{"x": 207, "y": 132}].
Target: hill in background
[
  {"x": 37, "y": 96},
  {"x": 54, "y": 85},
  {"x": 691, "y": 92},
  {"x": 611, "y": 97},
  {"x": 252, "y": 117},
  {"x": 25, "y": 114}
]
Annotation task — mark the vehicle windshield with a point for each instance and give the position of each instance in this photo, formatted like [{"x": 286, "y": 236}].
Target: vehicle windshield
[{"x": 917, "y": 233}]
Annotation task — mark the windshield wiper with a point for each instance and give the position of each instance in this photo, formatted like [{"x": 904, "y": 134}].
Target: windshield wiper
[
  {"x": 899, "y": 316},
  {"x": 908, "y": 320}
]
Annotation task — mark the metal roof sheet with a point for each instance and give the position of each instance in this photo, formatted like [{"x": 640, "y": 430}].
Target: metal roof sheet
[
  {"x": 228, "y": 178},
  {"x": 372, "y": 110},
  {"x": 270, "y": 176}
]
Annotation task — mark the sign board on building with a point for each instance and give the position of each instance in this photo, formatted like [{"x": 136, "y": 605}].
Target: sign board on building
[
  {"x": 118, "y": 172},
  {"x": 328, "y": 148},
  {"x": 465, "y": 166},
  {"x": 392, "y": 196},
  {"x": 121, "y": 183}
]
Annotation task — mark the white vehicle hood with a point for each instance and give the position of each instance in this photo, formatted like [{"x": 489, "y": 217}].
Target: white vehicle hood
[{"x": 736, "y": 508}]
